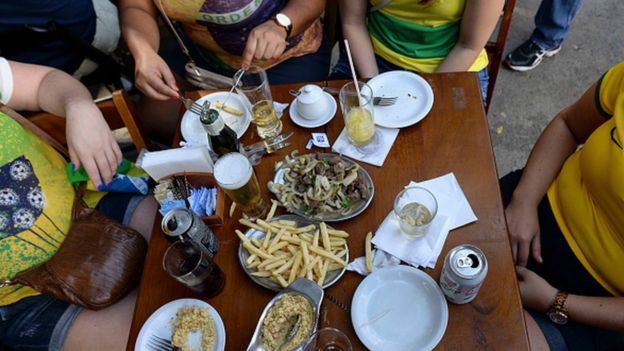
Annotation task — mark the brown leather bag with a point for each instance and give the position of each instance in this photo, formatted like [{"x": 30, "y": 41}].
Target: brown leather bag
[{"x": 99, "y": 261}]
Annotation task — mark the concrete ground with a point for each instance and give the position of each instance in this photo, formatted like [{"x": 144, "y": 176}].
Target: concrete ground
[{"x": 524, "y": 102}]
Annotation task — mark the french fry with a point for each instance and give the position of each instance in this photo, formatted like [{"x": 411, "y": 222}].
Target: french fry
[
  {"x": 328, "y": 254},
  {"x": 261, "y": 274},
  {"x": 272, "y": 210},
  {"x": 295, "y": 268},
  {"x": 338, "y": 233},
  {"x": 325, "y": 236},
  {"x": 305, "y": 254},
  {"x": 250, "y": 224},
  {"x": 229, "y": 109},
  {"x": 284, "y": 267},
  {"x": 368, "y": 251},
  {"x": 276, "y": 247},
  {"x": 307, "y": 228},
  {"x": 232, "y": 208},
  {"x": 250, "y": 259},
  {"x": 315, "y": 239},
  {"x": 256, "y": 242},
  {"x": 266, "y": 240},
  {"x": 281, "y": 280},
  {"x": 274, "y": 265},
  {"x": 321, "y": 276}
]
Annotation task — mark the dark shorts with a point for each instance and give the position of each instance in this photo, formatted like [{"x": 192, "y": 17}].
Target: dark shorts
[
  {"x": 42, "y": 322},
  {"x": 565, "y": 272}
]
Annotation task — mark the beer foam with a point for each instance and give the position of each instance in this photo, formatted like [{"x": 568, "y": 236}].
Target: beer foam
[{"x": 232, "y": 171}]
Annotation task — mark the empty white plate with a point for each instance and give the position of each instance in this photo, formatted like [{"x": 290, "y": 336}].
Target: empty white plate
[
  {"x": 307, "y": 123},
  {"x": 192, "y": 130},
  {"x": 414, "y": 98},
  {"x": 399, "y": 308},
  {"x": 160, "y": 324}
]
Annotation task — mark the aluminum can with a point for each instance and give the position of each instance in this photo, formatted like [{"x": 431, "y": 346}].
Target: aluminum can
[
  {"x": 464, "y": 270},
  {"x": 183, "y": 224}
]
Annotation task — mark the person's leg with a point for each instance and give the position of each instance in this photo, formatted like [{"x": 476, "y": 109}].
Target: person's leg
[
  {"x": 537, "y": 340},
  {"x": 307, "y": 68},
  {"x": 552, "y": 22}
]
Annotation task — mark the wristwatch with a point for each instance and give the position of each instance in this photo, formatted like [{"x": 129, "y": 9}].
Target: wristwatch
[
  {"x": 557, "y": 311},
  {"x": 284, "y": 21}
]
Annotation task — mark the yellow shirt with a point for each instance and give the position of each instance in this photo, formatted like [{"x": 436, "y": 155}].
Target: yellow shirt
[
  {"x": 417, "y": 21},
  {"x": 587, "y": 197}
]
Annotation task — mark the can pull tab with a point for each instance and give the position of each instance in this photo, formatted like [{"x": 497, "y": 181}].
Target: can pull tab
[
  {"x": 172, "y": 224},
  {"x": 470, "y": 261}
]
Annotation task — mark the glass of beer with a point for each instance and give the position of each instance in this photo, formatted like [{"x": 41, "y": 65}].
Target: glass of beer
[
  {"x": 328, "y": 339},
  {"x": 357, "y": 111},
  {"x": 190, "y": 264},
  {"x": 234, "y": 174},
  {"x": 253, "y": 86},
  {"x": 415, "y": 208}
]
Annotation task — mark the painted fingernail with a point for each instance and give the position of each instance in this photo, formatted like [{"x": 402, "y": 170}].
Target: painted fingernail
[
  {"x": 73, "y": 166},
  {"x": 100, "y": 187}
]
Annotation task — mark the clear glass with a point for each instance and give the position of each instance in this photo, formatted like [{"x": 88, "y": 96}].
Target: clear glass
[
  {"x": 190, "y": 264},
  {"x": 328, "y": 339},
  {"x": 235, "y": 175},
  {"x": 358, "y": 115},
  {"x": 415, "y": 208},
  {"x": 253, "y": 86}
]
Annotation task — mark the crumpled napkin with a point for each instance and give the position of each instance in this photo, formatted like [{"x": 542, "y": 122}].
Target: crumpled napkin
[
  {"x": 453, "y": 211},
  {"x": 380, "y": 259},
  {"x": 279, "y": 107},
  {"x": 385, "y": 136}
]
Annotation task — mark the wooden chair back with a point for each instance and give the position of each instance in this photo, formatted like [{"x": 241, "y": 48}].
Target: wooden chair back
[
  {"x": 118, "y": 111},
  {"x": 495, "y": 48}
]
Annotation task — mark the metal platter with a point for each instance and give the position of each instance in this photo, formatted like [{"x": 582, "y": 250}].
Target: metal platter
[
  {"x": 330, "y": 278},
  {"x": 356, "y": 208}
]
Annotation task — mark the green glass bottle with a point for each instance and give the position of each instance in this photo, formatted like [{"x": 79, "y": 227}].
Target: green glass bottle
[{"x": 221, "y": 137}]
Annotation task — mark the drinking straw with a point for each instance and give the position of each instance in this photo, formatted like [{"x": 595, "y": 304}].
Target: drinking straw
[
  {"x": 232, "y": 89},
  {"x": 355, "y": 81}
]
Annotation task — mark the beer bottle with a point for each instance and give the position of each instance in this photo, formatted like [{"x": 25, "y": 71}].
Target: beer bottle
[{"x": 221, "y": 137}]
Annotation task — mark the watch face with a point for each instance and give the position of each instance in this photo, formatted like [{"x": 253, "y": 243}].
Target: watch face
[
  {"x": 558, "y": 317},
  {"x": 282, "y": 19}
]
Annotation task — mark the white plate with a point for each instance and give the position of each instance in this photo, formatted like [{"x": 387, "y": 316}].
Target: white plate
[
  {"x": 399, "y": 308},
  {"x": 160, "y": 323},
  {"x": 192, "y": 130},
  {"x": 415, "y": 98},
  {"x": 306, "y": 123}
]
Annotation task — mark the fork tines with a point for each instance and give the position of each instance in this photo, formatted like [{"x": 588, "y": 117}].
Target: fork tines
[
  {"x": 385, "y": 101},
  {"x": 157, "y": 343}
]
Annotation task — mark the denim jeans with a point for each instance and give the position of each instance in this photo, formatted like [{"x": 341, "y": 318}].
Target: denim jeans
[{"x": 552, "y": 22}]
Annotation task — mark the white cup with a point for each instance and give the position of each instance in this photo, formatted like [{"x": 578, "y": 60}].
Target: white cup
[{"x": 311, "y": 102}]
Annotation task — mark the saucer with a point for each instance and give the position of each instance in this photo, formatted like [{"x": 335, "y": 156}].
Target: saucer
[{"x": 307, "y": 123}]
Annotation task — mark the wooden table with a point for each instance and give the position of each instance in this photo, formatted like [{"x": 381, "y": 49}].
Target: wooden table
[{"x": 454, "y": 137}]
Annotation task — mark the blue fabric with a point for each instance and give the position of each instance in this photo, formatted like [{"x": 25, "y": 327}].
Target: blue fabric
[
  {"x": 552, "y": 22},
  {"x": 76, "y": 15},
  {"x": 551, "y": 332},
  {"x": 342, "y": 70}
]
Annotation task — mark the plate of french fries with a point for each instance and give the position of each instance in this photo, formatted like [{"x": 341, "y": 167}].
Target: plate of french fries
[{"x": 274, "y": 253}]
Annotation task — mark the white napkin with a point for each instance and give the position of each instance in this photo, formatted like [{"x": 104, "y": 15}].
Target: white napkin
[
  {"x": 380, "y": 259},
  {"x": 453, "y": 211},
  {"x": 160, "y": 164},
  {"x": 279, "y": 108},
  {"x": 385, "y": 136}
]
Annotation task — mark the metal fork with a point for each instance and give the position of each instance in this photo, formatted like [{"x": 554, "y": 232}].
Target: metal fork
[
  {"x": 382, "y": 101},
  {"x": 156, "y": 343},
  {"x": 191, "y": 105}
]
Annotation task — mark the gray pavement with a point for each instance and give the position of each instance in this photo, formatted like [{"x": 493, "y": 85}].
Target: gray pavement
[{"x": 524, "y": 102}]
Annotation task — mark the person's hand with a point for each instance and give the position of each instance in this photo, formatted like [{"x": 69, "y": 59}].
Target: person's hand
[
  {"x": 536, "y": 293},
  {"x": 524, "y": 232},
  {"x": 154, "y": 77},
  {"x": 266, "y": 41},
  {"x": 91, "y": 143}
]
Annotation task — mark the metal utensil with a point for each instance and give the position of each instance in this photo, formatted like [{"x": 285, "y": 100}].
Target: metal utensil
[
  {"x": 291, "y": 332},
  {"x": 377, "y": 100},
  {"x": 191, "y": 105},
  {"x": 157, "y": 343}
]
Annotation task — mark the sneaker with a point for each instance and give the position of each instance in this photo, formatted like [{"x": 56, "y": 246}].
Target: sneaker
[{"x": 527, "y": 56}]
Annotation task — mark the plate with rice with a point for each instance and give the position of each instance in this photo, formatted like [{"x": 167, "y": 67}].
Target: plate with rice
[{"x": 191, "y": 325}]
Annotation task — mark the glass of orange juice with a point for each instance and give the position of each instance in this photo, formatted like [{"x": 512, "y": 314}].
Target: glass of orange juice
[{"x": 357, "y": 111}]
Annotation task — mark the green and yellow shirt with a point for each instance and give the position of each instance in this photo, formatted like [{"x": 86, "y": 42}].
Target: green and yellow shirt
[
  {"x": 587, "y": 197},
  {"x": 418, "y": 37}
]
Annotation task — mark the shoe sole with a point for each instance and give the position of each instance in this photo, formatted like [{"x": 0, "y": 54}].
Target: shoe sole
[{"x": 547, "y": 53}]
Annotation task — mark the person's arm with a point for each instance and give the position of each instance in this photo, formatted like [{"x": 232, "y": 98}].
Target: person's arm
[
  {"x": 140, "y": 31},
  {"x": 477, "y": 24},
  {"x": 268, "y": 40},
  {"x": 89, "y": 139},
  {"x": 353, "y": 18},
  {"x": 601, "y": 312},
  {"x": 570, "y": 128}
]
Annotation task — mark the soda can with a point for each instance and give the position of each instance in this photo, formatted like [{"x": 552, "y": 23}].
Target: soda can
[
  {"x": 183, "y": 224},
  {"x": 464, "y": 270}
]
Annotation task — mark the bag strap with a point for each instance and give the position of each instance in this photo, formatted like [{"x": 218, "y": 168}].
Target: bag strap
[
  {"x": 379, "y": 6},
  {"x": 24, "y": 122},
  {"x": 173, "y": 31}
]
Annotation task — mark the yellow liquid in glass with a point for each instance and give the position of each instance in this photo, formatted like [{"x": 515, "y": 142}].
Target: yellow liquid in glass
[
  {"x": 360, "y": 126},
  {"x": 266, "y": 120}
]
